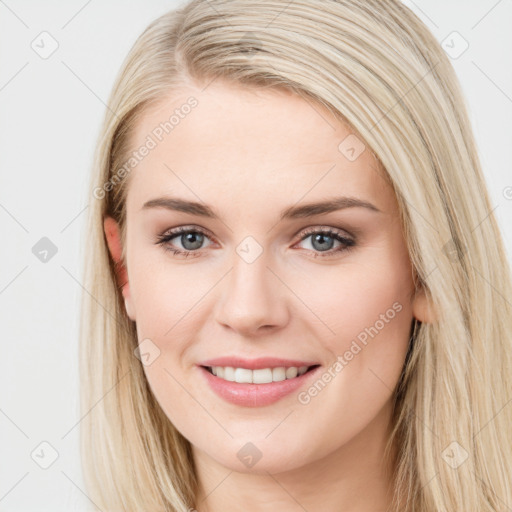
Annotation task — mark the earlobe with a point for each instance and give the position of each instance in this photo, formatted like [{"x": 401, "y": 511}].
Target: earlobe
[
  {"x": 113, "y": 236},
  {"x": 422, "y": 309}
]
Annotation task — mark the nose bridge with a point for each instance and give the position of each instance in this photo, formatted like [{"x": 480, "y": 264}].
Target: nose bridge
[{"x": 252, "y": 296}]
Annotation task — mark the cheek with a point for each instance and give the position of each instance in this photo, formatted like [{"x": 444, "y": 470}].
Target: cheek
[
  {"x": 166, "y": 308},
  {"x": 355, "y": 297},
  {"x": 368, "y": 303},
  {"x": 369, "y": 314},
  {"x": 371, "y": 319},
  {"x": 164, "y": 293}
]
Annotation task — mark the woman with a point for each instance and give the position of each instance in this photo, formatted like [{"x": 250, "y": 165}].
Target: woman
[{"x": 298, "y": 296}]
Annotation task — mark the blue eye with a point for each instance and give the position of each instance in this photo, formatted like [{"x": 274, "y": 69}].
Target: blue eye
[
  {"x": 322, "y": 241},
  {"x": 191, "y": 239}
]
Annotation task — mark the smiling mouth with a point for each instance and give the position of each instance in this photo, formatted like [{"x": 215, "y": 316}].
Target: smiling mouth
[{"x": 260, "y": 376}]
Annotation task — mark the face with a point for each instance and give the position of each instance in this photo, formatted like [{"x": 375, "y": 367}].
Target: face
[{"x": 255, "y": 271}]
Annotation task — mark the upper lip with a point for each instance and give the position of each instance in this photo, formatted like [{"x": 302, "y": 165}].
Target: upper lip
[{"x": 256, "y": 364}]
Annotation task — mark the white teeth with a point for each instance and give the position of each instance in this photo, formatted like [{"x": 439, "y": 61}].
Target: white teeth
[
  {"x": 291, "y": 372},
  {"x": 242, "y": 375},
  {"x": 260, "y": 376},
  {"x": 229, "y": 373},
  {"x": 279, "y": 374},
  {"x": 263, "y": 376}
]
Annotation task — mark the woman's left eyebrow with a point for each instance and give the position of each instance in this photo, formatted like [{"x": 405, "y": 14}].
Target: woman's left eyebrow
[{"x": 291, "y": 212}]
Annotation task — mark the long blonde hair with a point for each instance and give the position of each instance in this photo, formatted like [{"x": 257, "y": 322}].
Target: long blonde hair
[{"x": 375, "y": 65}]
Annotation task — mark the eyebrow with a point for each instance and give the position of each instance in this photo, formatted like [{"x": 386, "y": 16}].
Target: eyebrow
[{"x": 292, "y": 212}]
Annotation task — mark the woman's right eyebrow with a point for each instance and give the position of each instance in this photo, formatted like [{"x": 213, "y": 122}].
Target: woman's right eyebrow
[
  {"x": 181, "y": 205},
  {"x": 291, "y": 212}
]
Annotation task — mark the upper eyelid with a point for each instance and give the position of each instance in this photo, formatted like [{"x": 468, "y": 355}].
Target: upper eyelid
[{"x": 339, "y": 231}]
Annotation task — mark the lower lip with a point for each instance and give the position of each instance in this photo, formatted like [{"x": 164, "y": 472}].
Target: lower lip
[{"x": 255, "y": 395}]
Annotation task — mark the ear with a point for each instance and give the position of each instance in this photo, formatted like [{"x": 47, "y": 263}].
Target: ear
[
  {"x": 422, "y": 309},
  {"x": 113, "y": 236}
]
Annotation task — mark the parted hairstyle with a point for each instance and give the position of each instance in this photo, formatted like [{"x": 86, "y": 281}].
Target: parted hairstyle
[{"x": 376, "y": 67}]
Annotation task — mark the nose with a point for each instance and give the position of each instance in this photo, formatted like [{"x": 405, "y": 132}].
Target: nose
[{"x": 253, "y": 299}]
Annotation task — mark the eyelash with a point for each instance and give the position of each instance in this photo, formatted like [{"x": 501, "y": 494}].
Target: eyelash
[{"x": 348, "y": 243}]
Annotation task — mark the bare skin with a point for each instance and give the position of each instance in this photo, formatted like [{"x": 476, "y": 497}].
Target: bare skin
[{"x": 249, "y": 156}]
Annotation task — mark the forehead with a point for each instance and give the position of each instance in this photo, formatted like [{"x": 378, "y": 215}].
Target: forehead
[{"x": 250, "y": 146}]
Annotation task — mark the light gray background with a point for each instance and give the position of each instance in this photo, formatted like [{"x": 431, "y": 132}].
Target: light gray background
[{"x": 50, "y": 115}]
